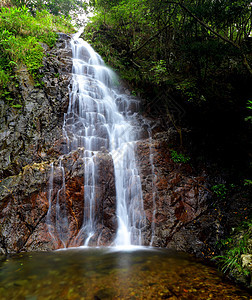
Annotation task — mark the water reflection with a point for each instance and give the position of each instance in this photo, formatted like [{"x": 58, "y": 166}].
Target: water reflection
[{"x": 111, "y": 274}]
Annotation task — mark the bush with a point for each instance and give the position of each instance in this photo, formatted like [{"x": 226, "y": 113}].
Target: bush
[
  {"x": 220, "y": 190},
  {"x": 21, "y": 35},
  {"x": 179, "y": 157},
  {"x": 232, "y": 249}
]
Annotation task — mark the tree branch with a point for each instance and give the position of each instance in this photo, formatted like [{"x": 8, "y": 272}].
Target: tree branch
[
  {"x": 155, "y": 35},
  {"x": 151, "y": 38},
  {"x": 225, "y": 39}
]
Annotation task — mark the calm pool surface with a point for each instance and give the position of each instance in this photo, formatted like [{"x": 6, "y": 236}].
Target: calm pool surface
[{"x": 111, "y": 274}]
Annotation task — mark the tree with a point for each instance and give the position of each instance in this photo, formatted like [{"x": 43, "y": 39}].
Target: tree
[{"x": 56, "y": 7}]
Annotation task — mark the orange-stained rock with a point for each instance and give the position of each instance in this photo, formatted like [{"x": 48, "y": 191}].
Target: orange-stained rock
[
  {"x": 24, "y": 204},
  {"x": 179, "y": 196},
  {"x": 176, "y": 200}
]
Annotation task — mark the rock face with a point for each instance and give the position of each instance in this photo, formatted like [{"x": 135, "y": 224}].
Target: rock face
[
  {"x": 24, "y": 205},
  {"x": 28, "y": 134},
  {"x": 174, "y": 196},
  {"x": 174, "y": 199},
  {"x": 29, "y": 138}
]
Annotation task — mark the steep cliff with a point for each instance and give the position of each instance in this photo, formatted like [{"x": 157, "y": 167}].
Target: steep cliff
[{"x": 28, "y": 133}]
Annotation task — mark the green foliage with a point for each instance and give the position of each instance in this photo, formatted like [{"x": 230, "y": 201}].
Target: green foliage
[
  {"x": 55, "y": 7},
  {"x": 249, "y": 106},
  {"x": 34, "y": 55},
  {"x": 231, "y": 259},
  {"x": 248, "y": 182},
  {"x": 21, "y": 36},
  {"x": 104, "y": 3},
  {"x": 158, "y": 42},
  {"x": 188, "y": 89},
  {"x": 123, "y": 23},
  {"x": 17, "y": 105},
  {"x": 220, "y": 190},
  {"x": 179, "y": 157},
  {"x": 159, "y": 71},
  {"x": 4, "y": 78},
  {"x": 232, "y": 249}
]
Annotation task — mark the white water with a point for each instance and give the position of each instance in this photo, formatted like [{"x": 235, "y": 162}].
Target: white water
[{"x": 98, "y": 117}]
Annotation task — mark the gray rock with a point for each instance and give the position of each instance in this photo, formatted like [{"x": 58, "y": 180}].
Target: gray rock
[{"x": 28, "y": 135}]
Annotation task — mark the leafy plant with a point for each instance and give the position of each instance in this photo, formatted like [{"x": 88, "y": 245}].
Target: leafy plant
[
  {"x": 159, "y": 70},
  {"x": 21, "y": 37},
  {"x": 249, "y": 106},
  {"x": 220, "y": 190},
  {"x": 248, "y": 182},
  {"x": 59, "y": 7},
  {"x": 231, "y": 260},
  {"x": 17, "y": 105},
  {"x": 179, "y": 157},
  {"x": 233, "y": 248},
  {"x": 188, "y": 89},
  {"x": 4, "y": 78}
]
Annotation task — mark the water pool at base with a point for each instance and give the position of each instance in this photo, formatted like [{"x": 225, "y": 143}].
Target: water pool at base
[{"x": 111, "y": 274}]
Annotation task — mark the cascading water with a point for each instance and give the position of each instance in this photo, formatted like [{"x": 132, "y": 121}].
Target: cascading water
[{"x": 99, "y": 118}]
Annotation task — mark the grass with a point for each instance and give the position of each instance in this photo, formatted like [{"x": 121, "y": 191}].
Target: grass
[{"x": 232, "y": 248}]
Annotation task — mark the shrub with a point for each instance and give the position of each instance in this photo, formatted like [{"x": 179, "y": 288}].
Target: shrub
[
  {"x": 220, "y": 190},
  {"x": 179, "y": 157},
  {"x": 232, "y": 249},
  {"x": 21, "y": 35}
]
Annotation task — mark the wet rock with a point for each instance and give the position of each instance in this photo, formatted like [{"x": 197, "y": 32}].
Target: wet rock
[
  {"x": 182, "y": 213},
  {"x": 24, "y": 203},
  {"x": 174, "y": 196}
]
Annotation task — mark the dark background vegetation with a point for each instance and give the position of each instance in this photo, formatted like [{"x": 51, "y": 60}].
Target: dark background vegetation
[{"x": 199, "y": 53}]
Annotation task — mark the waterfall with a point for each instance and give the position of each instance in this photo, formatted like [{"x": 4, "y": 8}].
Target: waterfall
[{"x": 100, "y": 117}]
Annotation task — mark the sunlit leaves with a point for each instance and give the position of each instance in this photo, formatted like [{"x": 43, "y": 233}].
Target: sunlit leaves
[{"x": 55, "y": 7}]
